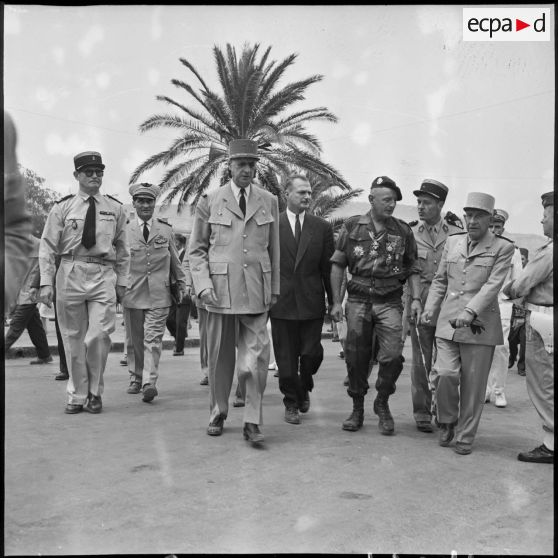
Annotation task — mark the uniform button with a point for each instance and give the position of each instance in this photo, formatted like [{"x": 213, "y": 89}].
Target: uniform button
[
  {"x": 463, "y": 282},
  {"x": 435, "y": 261},
  {"x": 245, "y": 251},
  {"x": 244, "y": 236},
  {"x": 148, "y": 272},
  {"x": 148, "y": 254},
  {"x": 461, "y": 292},
  {"x": 245, "y": 265}
]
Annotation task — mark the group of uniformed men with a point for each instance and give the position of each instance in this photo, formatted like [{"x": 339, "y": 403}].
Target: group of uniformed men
[{"x": 248, "y": 263}]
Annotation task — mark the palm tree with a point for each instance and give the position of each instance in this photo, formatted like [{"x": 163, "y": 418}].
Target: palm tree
[{"x": 253, "y": 106}]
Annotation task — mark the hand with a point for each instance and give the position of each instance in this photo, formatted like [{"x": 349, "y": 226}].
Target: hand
[
  {"x": 274, "y": 299},
  {"x": 464, "y": 319},
  {"x": 45, "y": 295},
  {"x": 337, "y": 312},
  {"x": 33, "y": 292},
  {"x": 120, "y": 292},
  {"x": 207, "y": 296},
  {"x": 426, "y": 317},
  {"x": 416, "y": 310}
]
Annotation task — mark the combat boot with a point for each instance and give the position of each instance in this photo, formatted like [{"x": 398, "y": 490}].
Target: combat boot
[
  {"x": 354, "y": 422},
  {"x": 381, "y": 408}
]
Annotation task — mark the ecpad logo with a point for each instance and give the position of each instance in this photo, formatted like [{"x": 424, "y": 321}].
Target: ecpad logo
[{"x": 506, "y": 24}]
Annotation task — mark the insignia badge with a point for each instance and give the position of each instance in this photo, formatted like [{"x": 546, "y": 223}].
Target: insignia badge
[
  {"x": 373, "y": 254},
  {"x": 380, "y": 180},
  {"x": 389, "y": 248},
  {"x": 395, "y": 269},
  {"x": 358, "y": 251}
]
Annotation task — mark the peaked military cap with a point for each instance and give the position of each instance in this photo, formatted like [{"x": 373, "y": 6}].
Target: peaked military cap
[
  {"x": 387, "y": 182},
  {"x": 548, "y": 199},
  {"x": 500, "y": 215},
  {"x": 144, "y": 189},
  {"x": 480, "y": 200},
  {"x": 243, "y": 148},
  {"x": 433, "y": 188},
  {"x": 88, "y": 159}
]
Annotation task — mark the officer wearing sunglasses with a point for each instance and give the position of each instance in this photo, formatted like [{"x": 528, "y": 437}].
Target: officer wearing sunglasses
[{"x": 88, "y": 231}]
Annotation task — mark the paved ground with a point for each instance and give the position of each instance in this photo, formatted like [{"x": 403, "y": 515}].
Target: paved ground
[{"x": 145, "y": 478}]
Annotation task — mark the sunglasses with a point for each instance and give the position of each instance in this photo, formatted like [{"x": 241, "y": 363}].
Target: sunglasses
[{"x": 91, "y": 172}]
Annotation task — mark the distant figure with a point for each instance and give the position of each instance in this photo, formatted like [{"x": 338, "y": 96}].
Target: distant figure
[
  {"x": 177, "y": 320},
  {"x": 26, "y": 313},
  {"x": 517, "y": 329},
  {"x": 496, "y": 385},
  {"x": 17, "y": 225}
]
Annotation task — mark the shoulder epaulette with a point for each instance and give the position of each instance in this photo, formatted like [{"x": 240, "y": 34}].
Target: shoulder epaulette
[
  {"x": 413, "y": 223},
  {"x": 505, "y": 238},
  {"x": 204, "y": 195},
  {"x": 114, "y": 199},
  {"x": 65, "y": 198},
  {"x": 163, "y": 221},
  {"x": 457, "y": 233}
]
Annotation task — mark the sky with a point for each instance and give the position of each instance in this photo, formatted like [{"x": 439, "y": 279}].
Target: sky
[{"x": 413, "y": 100}]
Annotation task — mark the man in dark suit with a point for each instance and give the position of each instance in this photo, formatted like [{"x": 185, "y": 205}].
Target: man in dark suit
[
  {"x": 177, "y": 320},
  {"x": 297, "y": 318}
]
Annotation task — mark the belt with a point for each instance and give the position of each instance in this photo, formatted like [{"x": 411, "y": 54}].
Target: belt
[
  {"x": 87, "y": 259},
  {"x": 538, "y": 308}
]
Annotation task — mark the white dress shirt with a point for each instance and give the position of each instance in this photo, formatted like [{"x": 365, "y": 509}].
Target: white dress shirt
[{"x": 292, "y": 219}]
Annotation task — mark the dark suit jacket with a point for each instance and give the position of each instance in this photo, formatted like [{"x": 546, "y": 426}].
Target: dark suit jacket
[{"x": 304, "y": 273}]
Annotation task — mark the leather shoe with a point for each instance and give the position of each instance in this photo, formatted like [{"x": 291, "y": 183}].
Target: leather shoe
[
  {"x": 204, "y": 381},
  {"x": 304, "y": 405},
  {"x": 424, "y": 426},
  {"x": 252, "y": 433},
  {"x": 291, "y": 415},
  {"x": 215, "y": 428},
  {"x": 93, "y": 404},
  {"x": 238, "y": 402},
  {"x": 178, "y": 353},
  {"x": 149, "y": 392},
  {"x": 446, "y": 434},
  {"x": 135, "y": 387},
  {"x": 385, "y": 424},
  {"x": 46, "y": 360},
  {"x": 461, "y": 449},
  {"x": 124, "y": 361},
  {"x": 62, "y": 376},
  {"x": 521, "y": 371},
  {"x": 346, "y": 381},
  {"x": 539, "y": 455},
  {"x": 72, "y": 409}
]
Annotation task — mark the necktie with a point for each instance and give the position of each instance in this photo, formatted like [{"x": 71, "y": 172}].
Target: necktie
[
  {"x": 145, "y": 231},
  {"x": 433, "y": 234},
  {"x": 89, "y": 232},
  {"x": 242, "y": 201},
  {"x": 297, "y": 230}
]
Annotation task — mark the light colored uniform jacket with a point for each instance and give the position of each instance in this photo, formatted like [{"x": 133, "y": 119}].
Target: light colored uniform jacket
[
  {"x": 429, "y": 256},
  {"x": 151, "y": 264},
  {"x": 474, "y": 281},
  {"x": 237, "y": 257}
]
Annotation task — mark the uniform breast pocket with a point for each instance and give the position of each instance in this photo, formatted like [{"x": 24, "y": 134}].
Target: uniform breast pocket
[
  {"x": 218, "y": 271},
  {"x": 263, "y": 221},
  {"x": 73, "y": 225},
  {"x": 482, "y": 268},
  {"x": 107, "y": 225},
  {"x": 221, "y": 230}
]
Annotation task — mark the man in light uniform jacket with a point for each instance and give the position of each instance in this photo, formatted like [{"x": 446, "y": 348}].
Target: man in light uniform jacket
[
  {"x": 88, "y": 231},
  {"x": 473, "y": 268},
  {"x": 154, "y": 262},
  {"x": 431, "y": 233},
  {"x": 234, "y": 261},
  {"x": 535, "y": 284}
]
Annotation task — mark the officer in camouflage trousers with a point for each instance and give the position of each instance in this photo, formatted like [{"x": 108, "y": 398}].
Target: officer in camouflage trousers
[{"x": 380, "y": 252}]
